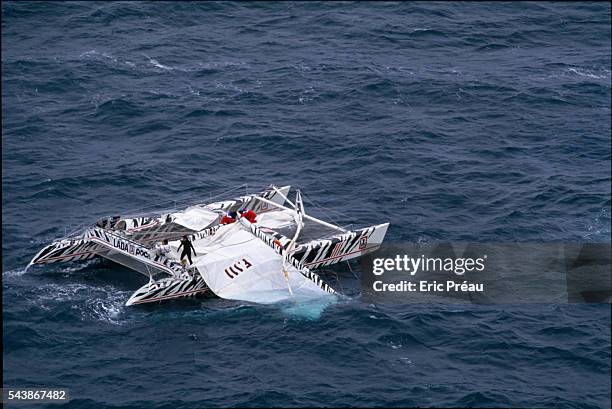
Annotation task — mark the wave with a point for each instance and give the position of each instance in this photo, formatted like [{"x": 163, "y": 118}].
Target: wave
[
  {"x": 96, "y": 54},
  {"x": 14, "y": 273},
  {"x": 117, "y": 107},
  {"x": 69, "y": 301},
  {"x": 427, "y": 32},
  {"x": 602, "y": 74},
  {"x": 109, "y": 309},
  {"x": 157, "y": 64}
]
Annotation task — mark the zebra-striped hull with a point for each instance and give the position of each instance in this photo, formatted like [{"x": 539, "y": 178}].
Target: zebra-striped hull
[
  {"x": 346, "y": 246},
  {"x": 169, "y": 289},
  {"x": 66, "y": 250},
  {"x": 353, "y": 244}
]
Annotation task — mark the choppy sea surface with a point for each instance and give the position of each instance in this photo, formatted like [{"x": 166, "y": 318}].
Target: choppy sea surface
[{"x": 482, "y": 122}]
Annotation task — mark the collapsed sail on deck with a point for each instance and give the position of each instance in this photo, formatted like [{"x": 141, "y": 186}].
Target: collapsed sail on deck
[{"x": 238, "y": 265}]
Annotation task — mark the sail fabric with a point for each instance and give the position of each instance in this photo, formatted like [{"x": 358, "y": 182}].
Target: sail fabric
[
  {"x": 195, "y": 218},
  {"x": 276, "y": 219},
  {"x": 239, "y": 266}
]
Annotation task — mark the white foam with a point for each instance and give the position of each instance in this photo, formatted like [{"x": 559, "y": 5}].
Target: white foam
[
  {"x": 599, "y": 227},
  {"x": 305, "y": 95},
  {"x": 56, "y": 292},
  {"x": 94, "y": 53},
  {"x": 88, "y": 53},
  {"x": 394, "y": 345},
  {"x": 308, "y": 310},
  {"x": 14, "y": 273},
  {"x": 108, "y": 309},
  {"x": 93, "y": 303},
  {"x": 70, "y": 268},
  {"x": 157, "y": 64},
  {"x": 588, "y": 73},
  {"x": 229, "y": 86}
]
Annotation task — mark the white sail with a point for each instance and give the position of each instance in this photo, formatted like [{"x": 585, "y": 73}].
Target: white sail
[
  {"x": 195, "y": 218},
  {"x": 276, "y": 220},
  {"x": 239, "y": 266}
]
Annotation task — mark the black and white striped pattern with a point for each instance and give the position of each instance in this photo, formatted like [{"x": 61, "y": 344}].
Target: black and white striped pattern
[
  {"x": 169, "y": 288},
  {"x": 249, "y": 202},
  {"x": 148, "y": 230},
  {"x": 162, "y": 263},
  {"x": 330, "y": 251},
  {"x": 207, "y": 232},
  {"x": 154, "y": 232},
  {"x": 66, "y": 250}
]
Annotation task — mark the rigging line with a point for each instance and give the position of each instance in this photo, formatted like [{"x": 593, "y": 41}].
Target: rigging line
[
  {"x": 211, "y": 196},
  {"x": 325, "y": 209},
  {"x": 179, "y": 202},
  {"x": 351, "y": 269},
  {"x": 77, "y": 231},
  {"x": 321, "y": 236},
  {"x": 141, "y": 211}
]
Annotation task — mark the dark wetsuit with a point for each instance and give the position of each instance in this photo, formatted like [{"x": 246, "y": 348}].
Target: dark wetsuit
[{"x": 187, "y": 247}]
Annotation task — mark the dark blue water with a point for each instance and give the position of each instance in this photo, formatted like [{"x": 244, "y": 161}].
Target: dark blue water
[{"x": 453, "y": 121}]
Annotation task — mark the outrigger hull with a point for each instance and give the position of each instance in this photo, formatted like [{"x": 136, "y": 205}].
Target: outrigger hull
[{"x": 168, "y": 289}]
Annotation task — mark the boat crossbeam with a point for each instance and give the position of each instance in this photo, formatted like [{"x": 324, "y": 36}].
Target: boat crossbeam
[{"x": 313, "y": 219}]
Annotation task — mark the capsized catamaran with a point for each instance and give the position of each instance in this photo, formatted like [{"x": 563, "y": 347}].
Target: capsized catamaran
[{"x": 267, "y": 261}]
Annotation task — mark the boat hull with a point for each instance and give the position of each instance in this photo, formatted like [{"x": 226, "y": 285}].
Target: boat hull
[{"x": 168, "y": 289}]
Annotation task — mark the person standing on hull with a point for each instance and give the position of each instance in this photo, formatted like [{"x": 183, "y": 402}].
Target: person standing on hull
[
  {"x": 187, "y": 248},
  {"x": 162, "y": 249}
]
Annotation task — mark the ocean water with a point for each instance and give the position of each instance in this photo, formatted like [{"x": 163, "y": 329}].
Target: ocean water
[{"x": 468, "y": 122}]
